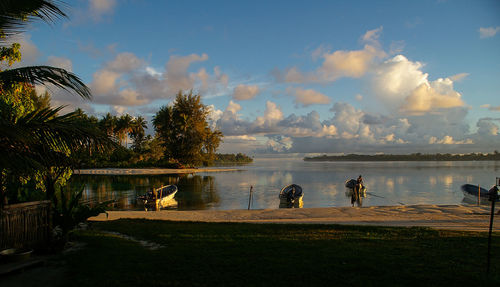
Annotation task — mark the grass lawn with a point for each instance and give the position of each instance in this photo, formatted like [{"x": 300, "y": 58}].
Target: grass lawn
[{"x": 226, "y": 254}]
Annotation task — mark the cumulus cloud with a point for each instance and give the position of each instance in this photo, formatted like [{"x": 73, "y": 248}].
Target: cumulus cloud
[
  {"x": 99, "y": 8},
  {"x": 448, "y": 140},
  {"x": 307, "y": 97},
  {"x": 432, "y": 96},
  {"x": 60, "y": 62},
  {"x": 402, "y": 86},
  {"x": 488, "y": 32},
  {"x": 127, "y": 80},
  {"x": 487, "y": 127},
  {"x": 272, "y": 115},
  {"x": 338, "y": 64},
  {"x": 245, "y": 92},
  {"x": 353, "y": 130}
]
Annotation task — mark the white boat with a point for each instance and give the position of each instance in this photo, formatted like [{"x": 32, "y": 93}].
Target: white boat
[{"x": 161, "y": 196}]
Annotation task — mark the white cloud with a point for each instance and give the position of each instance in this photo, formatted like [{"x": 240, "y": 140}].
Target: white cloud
[
  {"x": 60, "y": 62},
  {"x": 124, "y": 63},
  {"x": 432, "y": 96},
  {"x": 308, "y": 97},
  {"x": 99, "y": 8},
  {"x": 233, "y": 107},
  {"x": 245, "y": 92},
  {"x": 372, "y": 36},
  {"x": 488, "y": 32},
  {"x": 127, "y": 80},
  {"x": 242, "y": 137},
  {"x": 486, "y": 127},
  {"x": 402, "y": 86},
  {"x": 459, "y": 77},
  {"x": 176, "y": 77},
  {"x": 448, "y": 140},
  {"x": 338, "y": 64},
  {"x": 272, "y": 115}
]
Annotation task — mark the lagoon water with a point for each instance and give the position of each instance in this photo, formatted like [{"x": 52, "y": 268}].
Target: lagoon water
[{"x": 388, "y": 183}]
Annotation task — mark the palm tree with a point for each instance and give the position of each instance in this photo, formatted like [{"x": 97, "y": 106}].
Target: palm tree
[
  {"x": 38, "y": 140},
  {"x": 15, "y": 15},
  {"x": 108, "y": 124},
  {"x": 123, "y": 128},
  {"x": 139, "y": 124}
]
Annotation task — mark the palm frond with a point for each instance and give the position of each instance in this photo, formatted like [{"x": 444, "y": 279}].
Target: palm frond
[
  {"x": 45, "y": 75},
  {"x": 15, "y": 15},
  {"x": 42, "y": 138}
]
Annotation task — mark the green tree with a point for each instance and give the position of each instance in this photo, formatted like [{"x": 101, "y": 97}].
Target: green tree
[
  {"x": 137, "y": 133},
  {"x": 123, "y": 128},
  {"x": 34, "y": 139},
  {"x": 108, "y": 124},
  {"x": 184, "y": 130}
]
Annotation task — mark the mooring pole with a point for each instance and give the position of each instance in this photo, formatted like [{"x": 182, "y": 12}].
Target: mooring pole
[
  {"x": 493, "y": 194},
  {"x": 250, "y": 197},
  {"x": 478, "y": 194}
]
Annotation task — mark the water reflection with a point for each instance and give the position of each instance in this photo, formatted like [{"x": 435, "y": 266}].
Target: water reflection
[
  {"x": 390, "y": 183},
  {"x": 195, "y": 191}
]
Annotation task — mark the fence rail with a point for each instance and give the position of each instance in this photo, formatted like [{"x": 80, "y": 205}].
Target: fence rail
[{"x": 25, "y": 225}]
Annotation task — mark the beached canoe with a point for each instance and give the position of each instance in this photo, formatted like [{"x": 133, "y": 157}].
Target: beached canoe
[{"x": 291, "y": 195}]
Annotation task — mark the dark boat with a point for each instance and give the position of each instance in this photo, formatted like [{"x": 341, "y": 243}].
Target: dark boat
[
  {"x": 350, "y": 184},
  {"x": 291, "y": 196},
  {"x": 473, "y": 193}
]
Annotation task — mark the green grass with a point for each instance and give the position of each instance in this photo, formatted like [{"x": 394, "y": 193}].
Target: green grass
[{"x": 225, "y": 254}]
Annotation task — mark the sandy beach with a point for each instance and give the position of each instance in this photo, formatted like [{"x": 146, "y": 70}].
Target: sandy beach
[
  {"x": 147, "y": 171},
  {"x": 455, "y": 217}
]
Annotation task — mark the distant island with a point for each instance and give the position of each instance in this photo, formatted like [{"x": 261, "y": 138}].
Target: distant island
[{"x": 408, "y": 157}]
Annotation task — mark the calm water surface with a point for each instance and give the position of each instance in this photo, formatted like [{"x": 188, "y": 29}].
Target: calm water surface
[{"x": 388, "y": 183}]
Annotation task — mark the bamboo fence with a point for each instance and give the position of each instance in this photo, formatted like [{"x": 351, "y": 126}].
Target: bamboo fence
[{"x": 25, "y": 225}]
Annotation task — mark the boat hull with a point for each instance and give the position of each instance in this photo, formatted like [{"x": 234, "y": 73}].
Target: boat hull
[
  {"x": 291, "y": 200},
  {"x": 474, "y": 194}
]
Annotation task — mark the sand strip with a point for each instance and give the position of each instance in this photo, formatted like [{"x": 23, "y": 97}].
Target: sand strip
[
  {"x": 456, "y": 217},
  {"x": 147, "y": 171}
]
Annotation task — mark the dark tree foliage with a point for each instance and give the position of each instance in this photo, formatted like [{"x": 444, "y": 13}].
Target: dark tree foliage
[{"x": 184, "y": 131}]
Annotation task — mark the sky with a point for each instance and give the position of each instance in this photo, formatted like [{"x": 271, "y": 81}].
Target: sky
[{"x": 291, "y": 77}]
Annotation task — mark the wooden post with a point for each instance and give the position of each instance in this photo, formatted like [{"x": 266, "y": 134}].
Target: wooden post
[
  {"x": 493, "y": 196},
  {"x": 250, "y": 197},
  {"x": 478, "y": 194}
]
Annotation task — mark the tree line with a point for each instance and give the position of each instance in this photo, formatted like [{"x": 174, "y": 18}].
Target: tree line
[
  {"x": 408, "y": 157},
  {"x": 183, "y": 137}
]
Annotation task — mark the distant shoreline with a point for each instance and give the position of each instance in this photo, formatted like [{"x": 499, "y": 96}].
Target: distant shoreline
[
  {"x": 408, "y": 157},
  {"x": 146, "y": 171}
]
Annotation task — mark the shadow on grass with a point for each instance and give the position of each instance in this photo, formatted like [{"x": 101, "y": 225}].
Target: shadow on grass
[{"x": 225, "y": 254}]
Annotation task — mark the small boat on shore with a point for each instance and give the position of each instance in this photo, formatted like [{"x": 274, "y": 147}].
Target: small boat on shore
[
  {"x": 473, "y": 193},
  {"x": 159, "y": 196},
  {"x": 291, "y": 196}
]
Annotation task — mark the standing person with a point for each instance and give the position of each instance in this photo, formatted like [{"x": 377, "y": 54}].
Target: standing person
[{"x": 359, "y": 186}]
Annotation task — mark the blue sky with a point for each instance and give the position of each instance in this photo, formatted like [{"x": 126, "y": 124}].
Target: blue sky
[{"x": 292, "y": 76}]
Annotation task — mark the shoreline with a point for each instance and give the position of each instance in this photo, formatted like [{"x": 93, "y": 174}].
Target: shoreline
[
  {"x": 453, "y": 217},
  {"x": 146, "y": 171}
]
